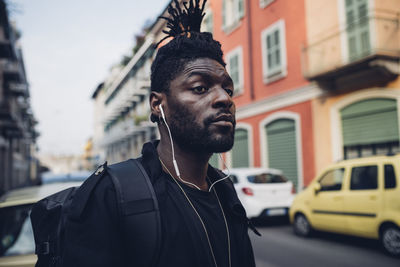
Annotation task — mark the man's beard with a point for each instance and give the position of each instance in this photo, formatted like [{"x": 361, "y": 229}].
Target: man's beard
[{"x": 189, "y": 135}]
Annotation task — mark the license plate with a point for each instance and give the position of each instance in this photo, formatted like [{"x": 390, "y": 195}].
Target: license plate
[{"x": 276, "y": 212}]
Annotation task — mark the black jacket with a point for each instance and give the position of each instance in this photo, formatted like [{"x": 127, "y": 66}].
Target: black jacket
[{"x": 96, "y": 239}]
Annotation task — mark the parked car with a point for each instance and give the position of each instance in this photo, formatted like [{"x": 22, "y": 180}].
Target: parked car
[
  {"x": 358, "y": 197},
  {"x": 77, "y": 176},
  {"x": 17, "y": 245},
  {"x": 263, "y": 192}
]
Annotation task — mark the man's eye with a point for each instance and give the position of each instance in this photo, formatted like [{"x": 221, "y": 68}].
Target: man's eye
[
  {"x": 229, "y": 91},
  {"x": 200, "y": 89}
]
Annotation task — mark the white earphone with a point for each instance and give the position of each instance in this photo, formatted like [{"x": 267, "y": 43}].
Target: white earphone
[
  {"x": 162, "y": 112},
  {"x": 172, "y": 144},
  {"x": 176, "y": 164}
]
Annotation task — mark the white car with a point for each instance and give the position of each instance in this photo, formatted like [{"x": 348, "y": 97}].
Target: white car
[
  {"x": 17, "y": 246},
  {"x": 263, "y": 192}
]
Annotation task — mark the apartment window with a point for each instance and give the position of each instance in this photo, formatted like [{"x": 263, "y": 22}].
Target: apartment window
[
  {"x": 208, "y": 22},
  {"x": 273, "y": 45},
  {"x": 265, "y": 3},
  {"x": 358, "y": 33},
  {"x": 235, "y": 68},
  {"x": 232, "y": 12}
]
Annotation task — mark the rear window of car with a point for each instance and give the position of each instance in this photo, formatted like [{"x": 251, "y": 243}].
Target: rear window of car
[
  {"x": 390, "y": 177},
  {"x": 266, "y": 178},
  {"x": 16, "y": 234},
  {"x": 234, "y": 178},
  {"x": 364, "y": 178}
]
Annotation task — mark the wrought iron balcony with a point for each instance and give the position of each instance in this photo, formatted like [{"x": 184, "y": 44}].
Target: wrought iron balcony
[
  {"x": 363, "y": 54},
  {"x": 6, "y": 49},
  {"x": 18, "y": 89},
  {"x": 11, "y": 70}
]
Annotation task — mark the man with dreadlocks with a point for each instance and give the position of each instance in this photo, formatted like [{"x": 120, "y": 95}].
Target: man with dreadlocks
[{"x": 202, "y": 221}]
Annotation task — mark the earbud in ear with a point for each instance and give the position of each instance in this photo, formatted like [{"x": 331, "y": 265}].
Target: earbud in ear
[{"x": 162, "y": 112}]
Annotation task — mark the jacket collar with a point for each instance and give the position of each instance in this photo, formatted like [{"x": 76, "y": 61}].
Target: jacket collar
[{"x": 225, "y": 188}]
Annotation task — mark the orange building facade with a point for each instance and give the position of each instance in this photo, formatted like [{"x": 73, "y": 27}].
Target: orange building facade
[
  {"x": 262, "y": 41},
  {"x": 316, "y": 81}
]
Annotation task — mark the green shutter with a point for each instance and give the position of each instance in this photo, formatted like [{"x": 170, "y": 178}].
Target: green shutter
[
  {"x": 210, "y": 23},
  {"x": 370, "y": 121},
  {"x": 273, "y": 45},
  {"x": 234, "y": 70},
  {"x": 357, "y": 28},
  {"x": 223, "y": 13},
  {"x": 282, "y": 149},
  {"x": 240, "y": 8},
  {"x": 214, "y": 160},
  {"x": 240, "y": 150}
]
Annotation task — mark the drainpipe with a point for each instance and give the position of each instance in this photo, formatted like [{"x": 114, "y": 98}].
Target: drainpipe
[{"x": 250, "y": 45}]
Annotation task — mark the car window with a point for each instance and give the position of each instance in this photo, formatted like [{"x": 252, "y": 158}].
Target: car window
[
  {"x": 390, "y": 177},
  {"x": 16, "y": 231},
  {"x": 80, "y": 176},
  {"x": 364, "y": 178},
  {"x": 266, "y": 178},
  {"x": 332, "y": 180},
  {"x": 234, "y": 179}
]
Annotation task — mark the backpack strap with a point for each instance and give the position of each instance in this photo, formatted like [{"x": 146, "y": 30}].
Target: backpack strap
[
  {"x": 140, "y": 216},
  {"x": 83, "y": 193}
]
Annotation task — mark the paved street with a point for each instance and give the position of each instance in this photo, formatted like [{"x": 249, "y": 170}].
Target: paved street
[{"x": 278, "y": 246}]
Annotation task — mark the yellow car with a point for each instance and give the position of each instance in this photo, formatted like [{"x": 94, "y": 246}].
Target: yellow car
[
  {"x": 17, "y": 246},
  {"x": 358, "y": 197}
]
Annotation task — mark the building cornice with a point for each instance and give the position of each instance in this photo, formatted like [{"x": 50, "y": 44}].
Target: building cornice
[{"x": 292, "y": 97}]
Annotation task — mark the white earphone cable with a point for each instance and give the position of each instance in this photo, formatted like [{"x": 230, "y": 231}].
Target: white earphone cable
[
  {"x": 223, "y": 178},
  {"x": 176, "y": 164}
]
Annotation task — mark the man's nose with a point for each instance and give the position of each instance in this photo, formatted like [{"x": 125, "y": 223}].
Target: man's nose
[{"x": 222, "y": 98}]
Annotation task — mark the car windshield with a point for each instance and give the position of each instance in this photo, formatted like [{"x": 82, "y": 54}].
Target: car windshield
[
  {"x": 16, "y": 235},
  {"x": 266, "y": 178}
]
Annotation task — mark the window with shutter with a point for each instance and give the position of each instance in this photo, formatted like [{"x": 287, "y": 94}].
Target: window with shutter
[
  {"x": 208, "y": 22},
  {"x": 265, "y": 3},
  {"x": 232, "y": 12},
  {"x": 235, "y": 68},
  {"x": 358, "y": 36},
  {"x": 224, "y": 22},
  {"x": 240, "y": 5},
  {"x": 274, "y": 52}
]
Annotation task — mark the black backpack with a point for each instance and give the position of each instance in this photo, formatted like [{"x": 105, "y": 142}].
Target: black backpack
[{"x": 138, "y": 208}]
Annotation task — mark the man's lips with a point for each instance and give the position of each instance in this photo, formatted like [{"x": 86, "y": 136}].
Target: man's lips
[{"x": 224, "y": 120}]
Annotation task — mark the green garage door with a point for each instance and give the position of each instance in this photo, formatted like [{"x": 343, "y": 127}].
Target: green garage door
[
  {"x": 282, "y": 151},
  {"x": 370, "y": 127},
  {"x": 240, "y": 150}
]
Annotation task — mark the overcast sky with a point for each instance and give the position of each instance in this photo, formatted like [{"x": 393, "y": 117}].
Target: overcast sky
[{"x": 69, "y": 47}]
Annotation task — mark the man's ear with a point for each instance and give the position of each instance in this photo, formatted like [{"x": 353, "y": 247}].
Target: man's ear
[{"x": 156, "y": 99}]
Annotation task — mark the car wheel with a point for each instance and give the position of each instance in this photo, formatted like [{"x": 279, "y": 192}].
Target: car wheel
[
  {"x": 390, "y": 240},
  {"x": 301, "y": 226}
]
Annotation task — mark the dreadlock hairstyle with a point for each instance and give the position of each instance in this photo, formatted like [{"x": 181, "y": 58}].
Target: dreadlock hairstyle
[{"x": 187, "y": 44}]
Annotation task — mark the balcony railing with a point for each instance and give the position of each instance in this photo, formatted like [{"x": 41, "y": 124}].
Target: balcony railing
[
  {"x": 18, "y": 89},
  {"x": 370, "y": 38},
  {"x": 12, "y": 70}
]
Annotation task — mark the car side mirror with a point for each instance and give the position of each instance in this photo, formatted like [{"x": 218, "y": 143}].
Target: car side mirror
[{"x": 317, "y": 188}]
